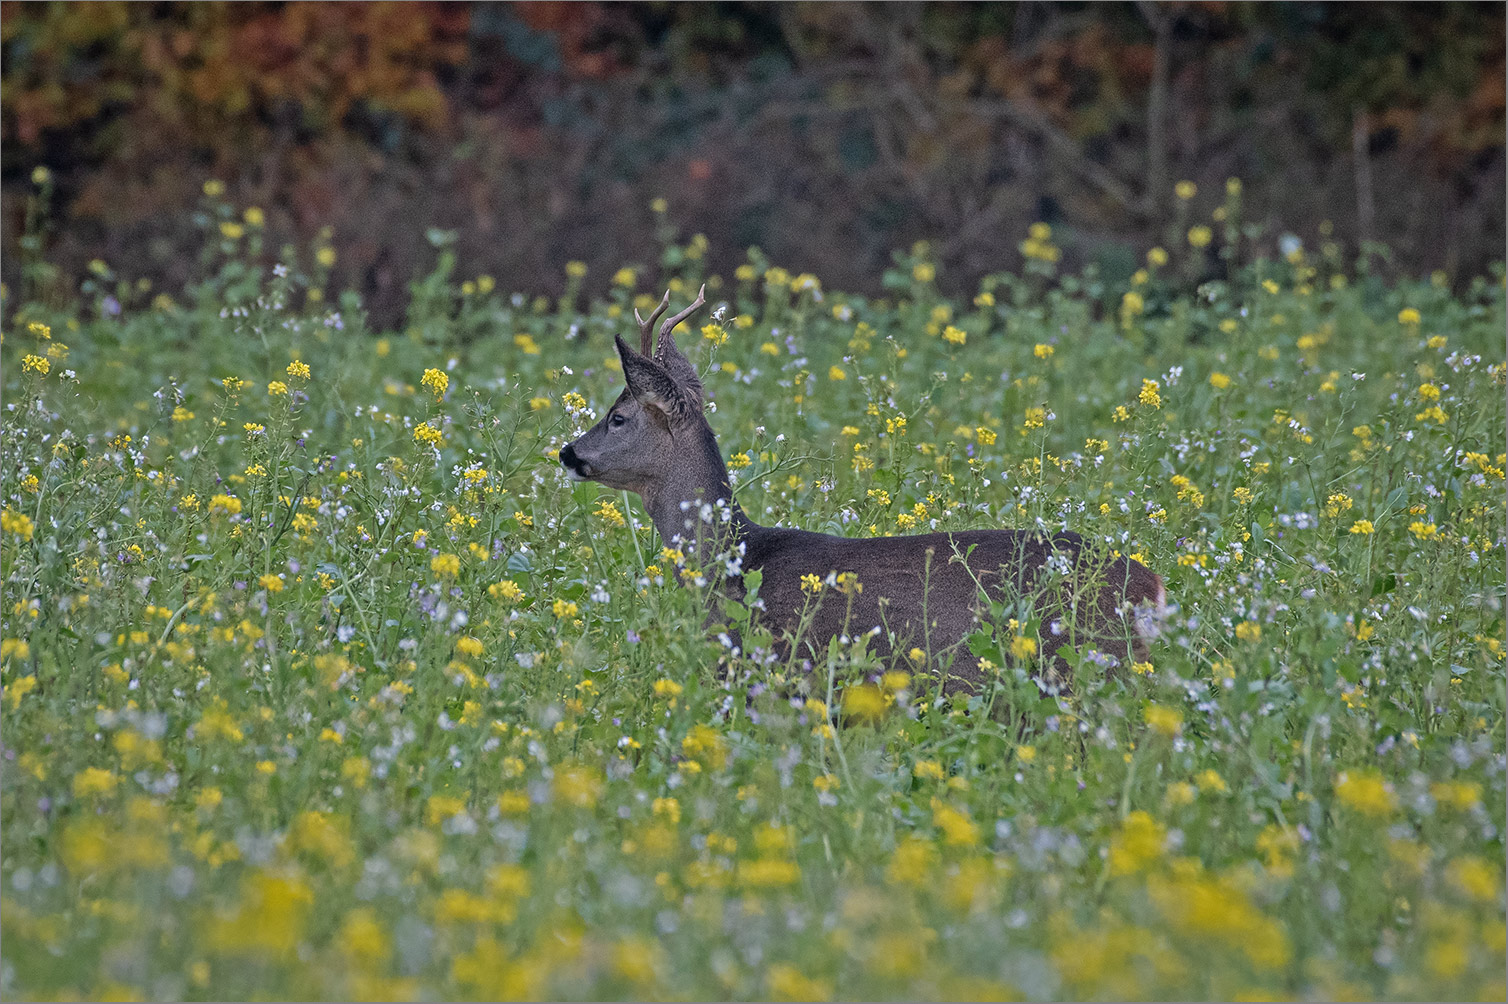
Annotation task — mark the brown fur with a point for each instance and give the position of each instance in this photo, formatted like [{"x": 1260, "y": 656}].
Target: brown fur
[{"x": 928, "y": 591}]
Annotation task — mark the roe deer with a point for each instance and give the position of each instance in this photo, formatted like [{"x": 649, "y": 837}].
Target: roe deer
[{"x": 924, "y": 591}]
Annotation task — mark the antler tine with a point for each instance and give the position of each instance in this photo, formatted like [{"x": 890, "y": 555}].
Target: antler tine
[
  {"x": 646, "y": 325},
  {"x": 697, "y": 304}
]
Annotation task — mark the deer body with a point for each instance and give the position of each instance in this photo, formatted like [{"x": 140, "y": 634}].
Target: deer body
[{"x": 922, "y": 591}]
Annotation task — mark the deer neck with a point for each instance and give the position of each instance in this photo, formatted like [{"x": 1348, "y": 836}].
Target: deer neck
[{"x": 692, "y": 507}]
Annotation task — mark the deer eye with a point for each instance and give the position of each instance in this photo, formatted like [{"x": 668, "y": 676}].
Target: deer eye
[{"x": 616, "y": 420}]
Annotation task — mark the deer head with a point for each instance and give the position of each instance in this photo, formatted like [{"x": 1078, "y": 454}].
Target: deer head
[{"x": 633, "y": 447}]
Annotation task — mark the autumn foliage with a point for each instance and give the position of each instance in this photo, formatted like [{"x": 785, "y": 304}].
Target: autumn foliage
[{"x": 829, "y": 134}]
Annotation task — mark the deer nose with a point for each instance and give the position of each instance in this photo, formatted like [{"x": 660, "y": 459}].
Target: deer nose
[{"x": 576, "y": 468}]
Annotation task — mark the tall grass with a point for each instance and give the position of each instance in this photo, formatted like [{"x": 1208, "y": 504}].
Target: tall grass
[{"x": 321, "y": 681}]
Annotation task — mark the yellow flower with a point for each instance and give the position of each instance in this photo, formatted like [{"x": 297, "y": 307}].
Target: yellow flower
[
  {"x": 1362, "y": 526},
  {"x": 231, "y": 230},
  {"x": 1409, "y": 316},
  {"x": 428, "y": 435},
  {"x": 16, "y": 524},
  {"x": 435, "y": 381},
  {"x": 1217, "y": 909},
  {"x": 17, "y": 689},
  {"x": 706, "y": 746},
  {"x": 1200, "y": 236},
  {"x": 277, "y": 389},
  {"x": 864, "y": 703},
  {"x": 923, "y": 272},
  {"x": 36, "y": 364},
  {"x": 1210, "y": 780},
  {"x": 1157, "y": 257},
  {"x": 271, "y": 583},
  {"x": 625, "y": 277},
  {"x": 609, "y": 513},
  {"x": 94, "y": 781},
  {"x": 768, "y": 873},
  {"x": 1219, "y": 381},
  {"x": 810, "y": 583},
  {"x": 1249, "y": 631},
  {"x": 1458, "y": 796},
  {"x": 1475, "y": 879},
  {"x": 254, "y": 216},
  {"x": 1433, "y": 413},
  {"x": 577, "y": 785},
  {"x": 1164, "y": 720},
  {"x": 1179, "y": 793},
  {"x": 1336, "y": 504},
  {"x": 325, "y": 256},
  {"x": 1365, "y": 792},
  {"x": 1042, "y": 350},
  {"x": 957, "y": 828},
  {"x": 507, "y": 589},
  {"x": 911, "y": 863},
  {"x": 836, "y": 373},
  {"x": 1186, "y": 190},
  {"x": 1150, "y": 393},
  {"x": 1140, "y": 842},
  {"x": 954, "y": 336},
  {"x": 446, "y": 565},
  {"x": 564, "y": 609}
]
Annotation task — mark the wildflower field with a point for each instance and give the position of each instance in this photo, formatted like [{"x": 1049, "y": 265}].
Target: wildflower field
[{"x": 321, "y": 680}]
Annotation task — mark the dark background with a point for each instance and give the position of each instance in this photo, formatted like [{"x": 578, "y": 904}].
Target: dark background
[{"x": 826, "y": 134}]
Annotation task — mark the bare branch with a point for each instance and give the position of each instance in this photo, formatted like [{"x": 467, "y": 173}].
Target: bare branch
[{"x": 1065, "y": 146}]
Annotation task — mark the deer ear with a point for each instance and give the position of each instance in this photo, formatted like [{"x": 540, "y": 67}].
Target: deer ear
[
  {"x": 680, "y": 369},
  {"x": 648, "y": 381}
]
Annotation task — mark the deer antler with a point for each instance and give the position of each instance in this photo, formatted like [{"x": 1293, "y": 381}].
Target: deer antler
[
  {"x": 669, "y": 325},
  {"x": 646, "y": 325}
]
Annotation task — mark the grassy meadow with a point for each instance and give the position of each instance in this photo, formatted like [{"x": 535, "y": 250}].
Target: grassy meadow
[{"x": 321, "y": 680}]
